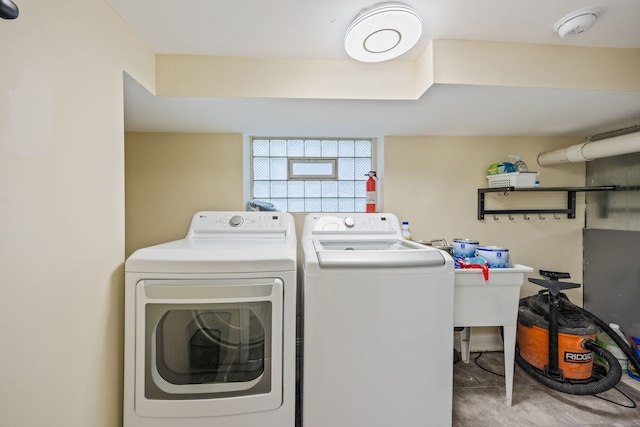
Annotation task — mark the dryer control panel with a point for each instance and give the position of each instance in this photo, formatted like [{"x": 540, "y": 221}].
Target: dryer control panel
[{"x": 208, "y": 223}]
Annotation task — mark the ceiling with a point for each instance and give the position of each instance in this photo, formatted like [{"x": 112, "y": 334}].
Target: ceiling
[{"x": 314, "y": 29}]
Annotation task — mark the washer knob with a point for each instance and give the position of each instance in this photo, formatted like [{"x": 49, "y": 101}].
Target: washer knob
[
  {"x": 236, "y": 221},
  {"x": 349, "y": 222}
]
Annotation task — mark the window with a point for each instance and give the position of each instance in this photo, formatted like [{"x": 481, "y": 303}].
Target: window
[{"x": 311, "y": 175}]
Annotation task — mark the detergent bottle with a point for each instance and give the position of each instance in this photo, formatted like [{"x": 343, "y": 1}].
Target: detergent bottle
[{"x": 406, "y": 233}]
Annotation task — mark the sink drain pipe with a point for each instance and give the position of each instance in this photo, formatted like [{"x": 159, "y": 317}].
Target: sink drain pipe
[{"x": 593, "y": 149}]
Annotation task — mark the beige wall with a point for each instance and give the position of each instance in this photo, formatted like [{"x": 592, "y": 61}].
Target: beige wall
[
  {"x": 461, "y": 62},
  {"x": 169, "y": 177},
  {"x": 535, "y": 65},
  {"x": 62, "y": 211},
  {"x": 432, "y": 182}
]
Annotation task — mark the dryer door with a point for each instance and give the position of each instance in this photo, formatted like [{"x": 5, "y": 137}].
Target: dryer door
[{"x": 208, "y": 347}]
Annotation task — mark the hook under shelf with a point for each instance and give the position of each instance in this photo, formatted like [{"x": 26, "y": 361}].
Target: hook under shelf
[{"x": 570, "y": 209}]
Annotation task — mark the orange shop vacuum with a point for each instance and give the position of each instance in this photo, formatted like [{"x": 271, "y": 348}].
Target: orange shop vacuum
[{"x": 556, "y": 341}]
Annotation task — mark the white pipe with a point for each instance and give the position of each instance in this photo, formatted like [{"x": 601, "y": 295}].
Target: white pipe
[{"x": 591, "y": 150}]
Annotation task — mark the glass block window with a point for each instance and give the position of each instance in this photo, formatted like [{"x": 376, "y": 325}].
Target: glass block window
[{"x": 311, "y": 175}]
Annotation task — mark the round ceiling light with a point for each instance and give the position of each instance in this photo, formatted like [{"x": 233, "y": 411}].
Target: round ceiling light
[
  {"x": 576, "y": 22},
  {"x": 383, "y": 32}
]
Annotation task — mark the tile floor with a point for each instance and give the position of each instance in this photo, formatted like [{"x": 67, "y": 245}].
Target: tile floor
[
  {"x": 478, "y": 400},
  {"x": 479, "y": 396}
]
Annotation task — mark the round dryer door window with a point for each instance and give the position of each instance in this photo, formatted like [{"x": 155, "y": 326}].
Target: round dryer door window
[
  {"x": 202, "y": 349},
  {"x": 208, "y": 340}
]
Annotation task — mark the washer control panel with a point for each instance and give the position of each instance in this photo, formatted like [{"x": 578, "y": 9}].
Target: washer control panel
[{"x": 355, "y": 223}]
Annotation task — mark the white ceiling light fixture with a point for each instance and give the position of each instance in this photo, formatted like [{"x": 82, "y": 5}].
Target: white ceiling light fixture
[
  {"x": 383, "y": 32},
  {"x": 576, "y": 22}
]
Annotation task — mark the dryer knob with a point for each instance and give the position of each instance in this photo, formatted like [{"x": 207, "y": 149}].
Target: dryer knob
[
  {"x": 236, "y": 221},
  {"x": 349, "y": 222}
]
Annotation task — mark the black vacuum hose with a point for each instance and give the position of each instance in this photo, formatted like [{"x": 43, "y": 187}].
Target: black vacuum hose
[
  {"x": 628, "y": 351},
  {"x": 603, "y": 384}
]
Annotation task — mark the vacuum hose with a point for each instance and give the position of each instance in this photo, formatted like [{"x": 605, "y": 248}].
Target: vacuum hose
[
  {"x": 628, "y": 351},
  {"x": 603, "y": 384}
]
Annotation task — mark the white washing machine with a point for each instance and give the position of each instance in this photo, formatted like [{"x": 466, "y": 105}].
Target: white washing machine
[
  {"x": 210, "y": 325},
  {"x": 378, "y": 325}
]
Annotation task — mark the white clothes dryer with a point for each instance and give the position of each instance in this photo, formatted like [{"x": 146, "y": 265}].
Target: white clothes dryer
[
  {"x": 210, "y": 325},
  {"x": 377, "y": 325}
]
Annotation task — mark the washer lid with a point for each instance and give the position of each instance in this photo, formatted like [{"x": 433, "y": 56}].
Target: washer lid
[
  {"x": 365, "y": 245},
  {"x": 375, "y": 254}
]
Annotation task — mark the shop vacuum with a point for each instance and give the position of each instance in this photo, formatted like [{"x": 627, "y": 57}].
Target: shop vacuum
[{"x": 556, "y": 341}]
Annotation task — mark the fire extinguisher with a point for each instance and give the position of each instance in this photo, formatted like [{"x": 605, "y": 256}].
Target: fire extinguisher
[{"x": 371, "y": 192}]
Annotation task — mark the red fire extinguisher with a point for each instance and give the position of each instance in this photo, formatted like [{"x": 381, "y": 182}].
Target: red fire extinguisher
[{"x": 371, "y": 192}]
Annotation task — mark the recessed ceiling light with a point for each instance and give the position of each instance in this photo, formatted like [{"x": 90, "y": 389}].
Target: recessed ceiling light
[
  {"x": 576, "y": 22},
  {"x": 383, "y": 32}
]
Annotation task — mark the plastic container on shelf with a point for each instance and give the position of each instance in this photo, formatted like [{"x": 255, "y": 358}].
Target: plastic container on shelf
[
  {"x": 406, "y": 233},
  {"x": 514, "y": 179}
]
